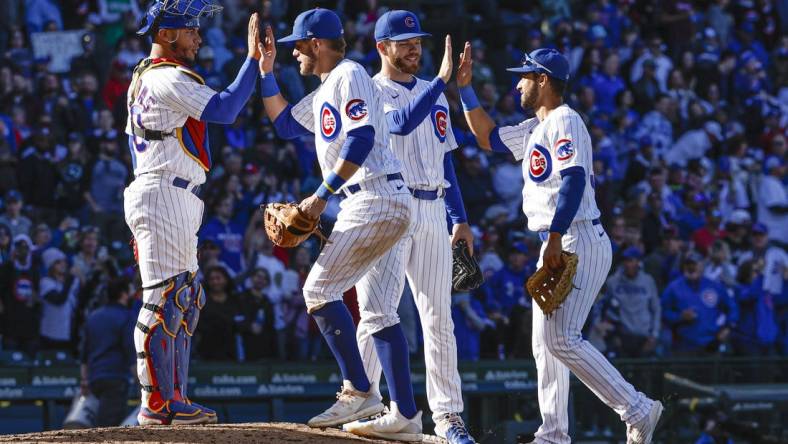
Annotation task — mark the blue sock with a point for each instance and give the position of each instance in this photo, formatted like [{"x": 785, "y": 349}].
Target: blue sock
[
  {"x": 337, "y": 327},
  {"x": 395, "y": 360}
]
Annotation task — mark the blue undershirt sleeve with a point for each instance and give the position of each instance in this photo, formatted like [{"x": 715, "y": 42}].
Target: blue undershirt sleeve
[
  {"x": 225, "y": 105},
  {"x": 455, "y": 207},
  {"x": 573, "y": 184},
  {"x": 405, "y": 120},
  {"x": 358, "y": 144},
  {"x": 496, "y": 144},
  {"x": 287, "y": 127}
]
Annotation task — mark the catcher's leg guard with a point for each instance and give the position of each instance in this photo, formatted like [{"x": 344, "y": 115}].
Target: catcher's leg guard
[
  {"x": 183, "y": 346},
  {"x": 157, "y": 325}
]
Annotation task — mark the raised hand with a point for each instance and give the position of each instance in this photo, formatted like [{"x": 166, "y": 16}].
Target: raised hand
[
  {"x": 267, "y": 49},
  {"x": 465, "y": 68},
  {"x": 446, "y": 64},
  {"x": 253, "y": 37}
]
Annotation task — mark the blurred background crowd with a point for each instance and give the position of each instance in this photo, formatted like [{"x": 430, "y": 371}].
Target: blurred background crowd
[{"x": 686, "y": 103}]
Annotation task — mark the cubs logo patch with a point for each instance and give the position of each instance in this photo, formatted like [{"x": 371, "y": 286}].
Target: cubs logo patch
[
  {"x": 330, "y": 124},
  {"x": 440, "y": 121},
  {"x": 409, "y": 21},
  {"x": 356, "y": 109},
  {"x": 564, "y": 150},
  {"x": 539, "y": 164},
  {"x": 709, "y": 298}
]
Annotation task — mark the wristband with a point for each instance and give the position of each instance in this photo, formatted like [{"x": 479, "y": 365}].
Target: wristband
[
  {"x": 268, "y": 85},
  {"x": 330, "y": 186},
  {"x": 468, "y": 98}
]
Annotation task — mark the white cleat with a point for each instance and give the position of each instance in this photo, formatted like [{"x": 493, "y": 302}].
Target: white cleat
[
  {"x": 391, "y": 426},
  {"x": 351, "y": 405},
  {"x": 642, "y": 431}
]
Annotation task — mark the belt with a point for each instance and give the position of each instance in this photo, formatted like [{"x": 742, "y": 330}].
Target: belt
[
  {"x": 355, "y": 188},
  {"x": 150, "y": 134},
  {"x": 427, "y": 194},
  {"x": 183, "y": 183},
  {"x": 543, "y": 235}
]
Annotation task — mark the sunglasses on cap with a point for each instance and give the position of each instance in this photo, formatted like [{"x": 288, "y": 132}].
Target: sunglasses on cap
[{"x": 529, "y": 62}]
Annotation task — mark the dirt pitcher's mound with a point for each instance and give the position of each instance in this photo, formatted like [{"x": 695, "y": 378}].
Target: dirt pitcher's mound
[{"x": 203, "y": 434}]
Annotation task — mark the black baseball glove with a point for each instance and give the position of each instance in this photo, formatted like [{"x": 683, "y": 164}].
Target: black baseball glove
[{"x": 466, "y": 274}]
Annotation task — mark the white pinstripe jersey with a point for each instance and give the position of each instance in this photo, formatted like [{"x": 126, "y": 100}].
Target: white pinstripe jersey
[
  {"x": 166, "y": 99},
  {"x": 347, "y": 99},
  {"x": 555, "y": 144},
  {"x": 421, "y": 152}
]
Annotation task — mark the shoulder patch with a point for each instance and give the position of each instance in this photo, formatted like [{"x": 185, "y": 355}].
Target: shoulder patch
[
  {"x": 564, "y": 150},
  {"x": 356, "y": 109}
]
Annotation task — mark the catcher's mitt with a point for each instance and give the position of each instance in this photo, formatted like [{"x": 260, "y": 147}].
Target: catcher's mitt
[
  {"x": 287, "y": 226},
  {"x": 466, "y": 274},
  {"x": 550, "y": 289}
]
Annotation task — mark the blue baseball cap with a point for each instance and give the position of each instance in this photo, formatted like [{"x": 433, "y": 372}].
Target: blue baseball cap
[
  {"x": 316, "y": 23},
  {"x": 545, "y": 61},
  {"x": 176, "y": 14},
  {"x": 398, "y": 25},
  {"x": 632, "y": 253}
]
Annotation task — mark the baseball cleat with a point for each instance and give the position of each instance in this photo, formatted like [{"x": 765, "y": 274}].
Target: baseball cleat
[
  {"x": 392, "y": 426},
  {"x": 173, "y": 412},
  {"x": 351, "y": 405},
  {"x": 451, "y": 428},
  {"x": 210, "y": 413},
  {"x": 642, "y": 431}
]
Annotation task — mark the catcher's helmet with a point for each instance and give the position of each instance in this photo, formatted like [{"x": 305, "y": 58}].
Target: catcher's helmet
[{"x": 176, "y": 14}]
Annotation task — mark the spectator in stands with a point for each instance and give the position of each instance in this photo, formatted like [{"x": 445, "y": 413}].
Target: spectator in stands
[
  {"x": 59, "y": 292},
  {"x": 225, "y": 233},
  {"x": 5, "y": 245},
  {"x": 634, "y": 307},
  {"x": 257, "y": 326},
  {"x": 107, "y": 182},
  {"x": 13, "y": 217},
  {"x": 704, "y": 237},
  {"x": 19, "y": 291},
  {"x": 85, "y": 261},
  {"x": 773, "y": 200},
  {"x": 700, "y": 312},
  {"x": 469, "y": 321},
  {"x": 505, "y": 298},
  {"x": 218, "y": 329},
  {"x": 757, "y": 330},
  {"x": 107, "y": 354},
  {"x": 73, "y": 179},
  {"x": 37, "y": 173}
]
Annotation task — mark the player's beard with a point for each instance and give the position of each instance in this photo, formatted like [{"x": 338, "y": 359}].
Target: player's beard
[
  {"x": 529, "y": 97},
  {"x": 308, "y": 62},
  {"x": 181, "y": 53},
  {"x": 407, "y": 67}
]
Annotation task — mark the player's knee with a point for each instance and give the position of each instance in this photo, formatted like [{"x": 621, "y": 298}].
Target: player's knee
[
  {"x": 562, "y": 345},
  {"x": 315, "y": 300},
  {"x": 378, "y": 322}
]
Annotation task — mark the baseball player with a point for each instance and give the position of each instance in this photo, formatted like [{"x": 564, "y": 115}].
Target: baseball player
[
  {"x": 558, "y": 199},
  {"x": 169, "y": 105},
  {"x": 351, "y": 136},
  {"x": 421, "y": 137}
]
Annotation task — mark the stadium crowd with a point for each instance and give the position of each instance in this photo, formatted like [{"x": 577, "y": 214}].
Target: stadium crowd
[{"x": 686, "y": 103}]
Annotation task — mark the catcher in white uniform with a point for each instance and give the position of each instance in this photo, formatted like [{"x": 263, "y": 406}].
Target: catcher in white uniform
[
  {"x": 558, "y": 199},
  {"x": 421, "y": 137},
  {"x": 169, "y": 105},
  {"x": 351, "y": 136}
]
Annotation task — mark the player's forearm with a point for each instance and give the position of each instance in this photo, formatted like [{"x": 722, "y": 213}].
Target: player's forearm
[
  {"x": 354, "y": 151},
  {"x": 273, "y": 101},
  {"x": 404, "y": 121},
  {"x": 225, "y": 106},
  {"x": 479, "y": 121},
  {"x": 454, "y": 204}
]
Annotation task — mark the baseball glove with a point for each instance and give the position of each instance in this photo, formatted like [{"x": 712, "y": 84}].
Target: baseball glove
[
  {"x": 466, "y": 274},
  {"x": 549, "y": 289},
  {"x": 287, "y": 226}
]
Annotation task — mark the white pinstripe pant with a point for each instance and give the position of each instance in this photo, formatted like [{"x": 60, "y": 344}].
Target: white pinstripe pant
[
  {"x": 559, "y": 347},
  {"x": 164, "y": 220},
  {"x": 368, "y": 225},
  {"x": 424, "y": 255}
]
